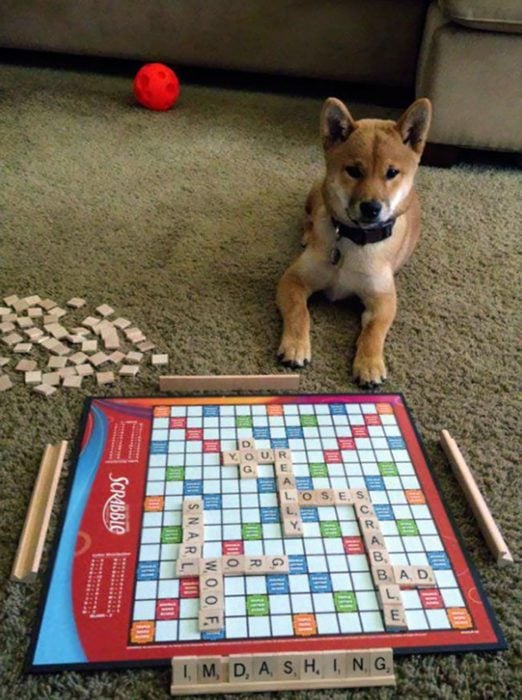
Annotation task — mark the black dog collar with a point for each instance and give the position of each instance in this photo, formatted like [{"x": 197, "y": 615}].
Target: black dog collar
[{"x": 362, "y": 236}]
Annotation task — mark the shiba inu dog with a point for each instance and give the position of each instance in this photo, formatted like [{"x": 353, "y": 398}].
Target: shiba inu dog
[{"x": 362, "y": 224}]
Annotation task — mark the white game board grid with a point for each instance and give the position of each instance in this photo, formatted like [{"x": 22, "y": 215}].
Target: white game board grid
[{"x": 242, "y": 503}]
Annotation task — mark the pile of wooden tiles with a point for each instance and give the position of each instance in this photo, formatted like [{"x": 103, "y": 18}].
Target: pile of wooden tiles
[{"x": 74, "y": 353}]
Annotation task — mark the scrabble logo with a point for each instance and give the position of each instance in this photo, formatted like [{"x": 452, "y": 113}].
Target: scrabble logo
[{"x": 115, "y": 510}]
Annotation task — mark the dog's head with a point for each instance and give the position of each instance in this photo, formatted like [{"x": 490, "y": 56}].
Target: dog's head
[{"x": 371, "y": 163}]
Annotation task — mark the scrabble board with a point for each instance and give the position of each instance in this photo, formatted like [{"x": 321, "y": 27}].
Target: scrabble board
[{"x": 116, "y": 596}]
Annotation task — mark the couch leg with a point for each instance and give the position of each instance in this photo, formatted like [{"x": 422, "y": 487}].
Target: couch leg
[{"x": 440, "y": 155}]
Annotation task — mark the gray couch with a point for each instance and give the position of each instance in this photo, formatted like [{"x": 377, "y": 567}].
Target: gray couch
[
  {"x": 470, "y": 66},
  {"x": 463, "y": 54}
]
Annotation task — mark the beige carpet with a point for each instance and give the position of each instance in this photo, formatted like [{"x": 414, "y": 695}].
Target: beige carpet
[{"x": 183, "y": 222}]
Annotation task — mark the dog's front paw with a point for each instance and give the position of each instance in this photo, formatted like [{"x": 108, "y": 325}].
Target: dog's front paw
[
  {"x": 369, "y": 370},
  {"x": 294, "y": 352}
]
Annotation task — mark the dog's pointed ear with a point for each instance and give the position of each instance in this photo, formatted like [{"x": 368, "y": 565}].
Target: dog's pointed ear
[
  {"x": 414, "y": 124},
  {"x": 336, "y": 123}
]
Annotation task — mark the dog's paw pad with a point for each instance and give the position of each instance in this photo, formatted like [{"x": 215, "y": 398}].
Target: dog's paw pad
[
  {"x": 369, "y": 372},
  {"x": 294, "y": 354},
  {"x": 370, "y": 386},
  {"x": 292, "y": 364}
]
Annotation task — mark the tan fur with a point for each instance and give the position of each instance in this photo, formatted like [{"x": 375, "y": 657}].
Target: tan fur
[{"x": 375, "y": 149}]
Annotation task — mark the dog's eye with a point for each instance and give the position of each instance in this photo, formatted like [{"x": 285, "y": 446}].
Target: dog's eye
[
  {"x": 391, "y": 173},
  {"x": 353, "y": 171}
]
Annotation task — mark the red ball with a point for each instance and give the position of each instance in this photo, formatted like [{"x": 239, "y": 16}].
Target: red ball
[{"x": 156, "y": 86}]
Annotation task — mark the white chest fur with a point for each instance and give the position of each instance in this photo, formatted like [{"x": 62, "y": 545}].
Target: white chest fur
[{"x": 362, "y": 270}]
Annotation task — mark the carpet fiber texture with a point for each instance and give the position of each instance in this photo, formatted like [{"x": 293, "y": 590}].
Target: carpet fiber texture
[{"x": 184, "y": 221}]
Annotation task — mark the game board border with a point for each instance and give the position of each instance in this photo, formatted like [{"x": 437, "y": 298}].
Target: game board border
[
  {"x": 501, "y": 643},
  {"x": 30, "y": 668}
]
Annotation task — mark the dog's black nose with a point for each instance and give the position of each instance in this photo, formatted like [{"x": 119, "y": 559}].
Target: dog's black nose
[{"x": 371, "y": 209}]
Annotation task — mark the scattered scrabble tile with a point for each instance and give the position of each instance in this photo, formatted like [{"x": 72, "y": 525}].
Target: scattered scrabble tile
[
  {"x": 75, "y": 339},
  {"x": 121, "y": 323},
  {"x": 58, "y": 312},
  {"x": 56, "y": 330},
  {"x": 12, "y": 339},
  {"x": 104, "y": 327},
  {"x": 158, "y": 360},
  {"x": 90, "y": 322},
  {"x": 48, "y": 343},
  {"x": 129, "y": 370},
  {"x": 4, "y": 310},
  {"x": 79, "y": 330},
  {"x": 20, "y": 306},
  {"x": 76, "y": 302},
  {"x": 131, "y": 333},
  {"x": 47, "y": 304},
  {"x": 5, "y": 382},
  {"x": 33, "y": 300},
  {"x": 34, "y": 333},
  {"x": 45, "y": 389},
  {"x": 67, "y": 372},
  {"x": 104, "y": 310},
  {"x": 26, "y": 366},
  {"x": 104, "y": 378},
  {"x": 57, "y": 362},
  {"x": 51, "y": 378},
  {"x": 23, "y": 348},
  {"x": 116, "y": 357},
  {"x": 84, "y": 370},
  {"x": 98, "y": 359},
  {"x": 89, "y": 346},
  {"x": 7, "y": 327},
  {"x": 73, "y": 382},
  {"x": 145, "y": 346},
  {"x": 134, "y": 356},
  {"x": 58, "y": 348},
  {"x": 24, "y": 322},
  {"x": 34, "y": 312},
  {"x": 111, "y": 340},
  {"x": 34, "y": 377},
  {"x": 11, "y": 300},
  {"x": 4, "y": 361},
  {"x": 78, "y": 358}
]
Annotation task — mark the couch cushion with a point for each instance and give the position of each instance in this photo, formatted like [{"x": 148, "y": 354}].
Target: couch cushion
[
  {"x": 476, "y": 102},
  {"x": 336, "y": 40},
  {"x": 490, "y": 15}
]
